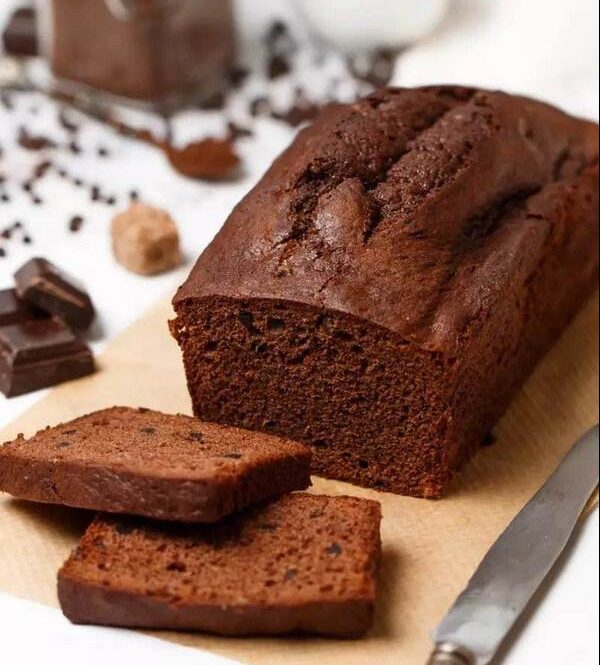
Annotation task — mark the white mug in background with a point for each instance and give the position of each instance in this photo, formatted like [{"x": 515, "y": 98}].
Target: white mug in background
[{"x": 356, "y": 26}]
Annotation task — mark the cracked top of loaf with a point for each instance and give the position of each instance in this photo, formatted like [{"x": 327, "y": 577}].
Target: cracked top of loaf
[{"x": 412, "y": 208}]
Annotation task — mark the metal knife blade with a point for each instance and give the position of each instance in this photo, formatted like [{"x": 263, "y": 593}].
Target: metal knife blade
[{"x": 515, "y": 566}]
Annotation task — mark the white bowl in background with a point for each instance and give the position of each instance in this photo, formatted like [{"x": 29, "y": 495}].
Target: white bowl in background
[{"x": 362, "y": 25}]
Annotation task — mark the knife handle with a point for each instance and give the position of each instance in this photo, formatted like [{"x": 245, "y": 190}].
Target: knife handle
[{"x": 450, "y": 654}]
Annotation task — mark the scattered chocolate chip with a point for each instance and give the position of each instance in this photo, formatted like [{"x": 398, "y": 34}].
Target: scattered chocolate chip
[
  {"x": 232, "y": 455},
  {"x": 41, "y": 169},
  {"x": 290, "y": 574},
  {"x": 279, "y": 39},
  {"x": 148, "y": 430},
  {"x": 67, "y": 124},
  {"x": 31, "y": 142},
  {"x": 238, "y": 75},
  {"x": 195, "y": 436},
  {"x": 277, "y": 66},
  {"x": 76, "y": 223}
]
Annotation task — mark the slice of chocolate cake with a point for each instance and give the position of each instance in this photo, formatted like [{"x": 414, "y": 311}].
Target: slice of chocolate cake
[
  {"x": 147, "y": 463},
  {"x": 303, "y": 563}
]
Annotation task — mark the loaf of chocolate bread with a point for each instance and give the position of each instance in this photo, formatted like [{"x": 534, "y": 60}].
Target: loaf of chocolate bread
[{"x": 393, "y": 279}]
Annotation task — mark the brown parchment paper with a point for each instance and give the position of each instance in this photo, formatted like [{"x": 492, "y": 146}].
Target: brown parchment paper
[{"x": 430, "y": 548}]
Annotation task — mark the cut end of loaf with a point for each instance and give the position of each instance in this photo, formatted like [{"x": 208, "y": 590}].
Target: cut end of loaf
[{"x": 371, "y": 406}]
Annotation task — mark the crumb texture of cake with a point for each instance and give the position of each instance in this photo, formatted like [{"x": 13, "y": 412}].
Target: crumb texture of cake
[
  {"x": 303, "y": 563},
  {"x": 391, "y": 282},
  {"x": 142, "y": 462}
]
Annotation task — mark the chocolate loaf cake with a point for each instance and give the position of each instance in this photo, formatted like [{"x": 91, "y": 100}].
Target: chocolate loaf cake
[
  {"x": 393, "y": 279},
  {"x": 303, "y": 563},
  {"x": 142, "y": 462}
]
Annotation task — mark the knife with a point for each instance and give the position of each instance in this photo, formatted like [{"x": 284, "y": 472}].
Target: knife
[{"x": 513, "y": 569}]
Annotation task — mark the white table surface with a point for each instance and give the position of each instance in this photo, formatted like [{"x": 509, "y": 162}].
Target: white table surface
[{"x": 549, "y": 50}]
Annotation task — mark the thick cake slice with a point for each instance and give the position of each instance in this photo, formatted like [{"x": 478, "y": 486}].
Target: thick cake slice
[
  {"x": 393, "y": 279},
  {"x": 142, "y": 462},
  {"x": 303, "y": 563}
]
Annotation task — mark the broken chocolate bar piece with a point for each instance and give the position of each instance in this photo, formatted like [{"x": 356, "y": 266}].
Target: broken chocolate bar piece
[
  {"x": 15, "y": 310},
  {"x": 41, "y": 283},
  {"x": 40, "y": 353}
]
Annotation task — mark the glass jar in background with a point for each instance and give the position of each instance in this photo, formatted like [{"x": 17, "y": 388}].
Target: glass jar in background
[{"x": 162, "y": 52}]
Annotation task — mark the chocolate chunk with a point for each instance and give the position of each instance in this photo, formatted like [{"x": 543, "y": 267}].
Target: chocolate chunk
[
  {"x": 40, "y": 353},
  {"x": 41, "y": 283},
  {"x": 20, "y": 36},
  {"x": 15, "y": 310}
]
